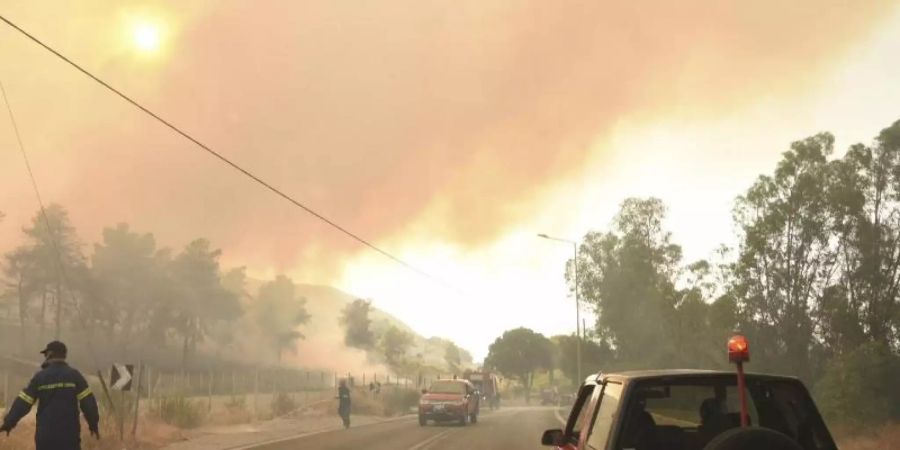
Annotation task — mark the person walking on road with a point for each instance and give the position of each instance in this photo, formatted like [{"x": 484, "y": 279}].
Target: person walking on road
[
  {"x": 344, "y": 403},
  {"x": 60, "y": 392}
]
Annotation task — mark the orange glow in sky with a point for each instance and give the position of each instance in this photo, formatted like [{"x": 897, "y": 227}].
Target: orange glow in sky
[{"x": 449, "y": 136}]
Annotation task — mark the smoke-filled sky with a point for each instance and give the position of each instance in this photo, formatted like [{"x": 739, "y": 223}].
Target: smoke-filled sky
[{"x": 448, "y": 133}]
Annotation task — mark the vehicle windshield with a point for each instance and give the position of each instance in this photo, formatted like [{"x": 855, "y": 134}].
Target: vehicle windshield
[
  {"x": 447, "y": 387},
  {"x": 256, "y": 223},
  {"x": 687, "y": 413}
]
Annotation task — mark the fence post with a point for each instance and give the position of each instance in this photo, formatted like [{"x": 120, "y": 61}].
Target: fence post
[
  {"x": 256, "y": 394},
  {"x": 137, "y": 399},
  {"x": 6, "y": 389},
  {"x": 209, "y": 392},
  {"x": 149, "y": 374}
]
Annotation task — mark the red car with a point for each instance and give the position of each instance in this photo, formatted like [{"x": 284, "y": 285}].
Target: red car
[{"x": 449, "y": 400}]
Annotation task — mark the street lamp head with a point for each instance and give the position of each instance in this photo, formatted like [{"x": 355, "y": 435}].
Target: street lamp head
[{"x": 542, "y": 235}]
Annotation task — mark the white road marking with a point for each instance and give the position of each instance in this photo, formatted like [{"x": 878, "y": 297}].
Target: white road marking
[
  {"x": 428, "y": 442},
  {"x": 313, "y": 433}
]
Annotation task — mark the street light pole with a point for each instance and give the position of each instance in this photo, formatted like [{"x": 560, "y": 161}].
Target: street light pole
[
  {"x": 577, "y": 316},
  {"x": 578, "y": 327}
]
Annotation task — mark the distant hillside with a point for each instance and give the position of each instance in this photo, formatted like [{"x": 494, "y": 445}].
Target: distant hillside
[
  {"x": 326, "y": 303},
  {"x": 324, "y": 333}
]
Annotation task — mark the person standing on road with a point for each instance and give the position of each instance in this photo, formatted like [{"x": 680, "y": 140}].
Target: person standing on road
[
  {"x": 60, "y": 391},
  {"x": 344, "y": 403}
]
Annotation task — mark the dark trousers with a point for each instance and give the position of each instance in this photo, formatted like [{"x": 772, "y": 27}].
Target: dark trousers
[
  {"x": 57, "y": 444},
  {"x": 345, "y": 416}
]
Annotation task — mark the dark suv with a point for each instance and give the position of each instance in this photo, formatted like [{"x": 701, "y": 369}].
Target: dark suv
[{"x": 693, "y": 410}]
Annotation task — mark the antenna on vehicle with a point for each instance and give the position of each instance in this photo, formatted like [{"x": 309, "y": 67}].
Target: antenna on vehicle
[{"x": 739, "y": 353}]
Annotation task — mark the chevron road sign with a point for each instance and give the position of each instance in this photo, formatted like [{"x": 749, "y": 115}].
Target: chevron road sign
[{"x": 120, "y": 377}]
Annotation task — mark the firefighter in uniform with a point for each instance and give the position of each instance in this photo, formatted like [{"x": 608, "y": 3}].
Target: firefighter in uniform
[
  {"x": 344, "y": 403},
  {"x": 59, "y": 391}
]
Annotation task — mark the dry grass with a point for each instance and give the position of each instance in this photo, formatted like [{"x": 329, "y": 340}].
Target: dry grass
[
  {"x": 234, "y": 413},
  {"x": 883, "y": 438},
  {"x": 151, "y": 435}
]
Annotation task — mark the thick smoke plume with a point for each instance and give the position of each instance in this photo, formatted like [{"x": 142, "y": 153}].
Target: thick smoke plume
[{"x": 380, "y": 115}]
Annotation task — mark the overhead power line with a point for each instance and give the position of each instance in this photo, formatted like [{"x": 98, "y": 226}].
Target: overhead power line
[
  {"x": 227, "y": 161},
  {"x": 60, "y": 265}
]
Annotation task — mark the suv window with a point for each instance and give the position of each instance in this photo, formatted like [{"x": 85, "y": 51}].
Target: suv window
[
  {"x": 609, "y": 406},
  {"x": 686, "y": 406},
  {"x": 688, "y": 412},
  {"x": 580, "y": 413}
]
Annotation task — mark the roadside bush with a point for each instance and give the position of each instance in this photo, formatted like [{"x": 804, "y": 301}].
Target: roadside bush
[
  {"x": 363, "y": 403},
  {"x": 283, "y": 404},
  {"x": 859, "y": 388},
  {"x": 235, "y": 412},
  {"x": 178, "y": 411},
  {"x": 399, "y": 401},
  {"x": 236, "y": 403}
]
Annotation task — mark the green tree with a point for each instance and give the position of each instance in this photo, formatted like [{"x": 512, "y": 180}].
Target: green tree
[
  {"x": 518, "y": 353},
  {"x": 279, "y": 312},
  {"x": 858, "y": 387},
  {"x": 787, "y": 255},
  {"x": 394, "y": 344},
  {"x": 465, "y": 357},
  {"x": 453, "y": 357},
  {"x": 20, "y": 284},
  {"x": 200, "y": 299},
  {"x": 628, "y": 276},
  {"x": 357, "y": 324},
  {"x": 235, "y": 281},
  {"x": 226, "y": 333},
  {"x": 128, "y": 272},
  {"x": 594, "y": 356},
  {"x": 48, "y": 262},
  {"x": 865, "y": 197}
]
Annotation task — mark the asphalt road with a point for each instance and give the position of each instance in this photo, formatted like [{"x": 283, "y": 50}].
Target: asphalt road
[{"x": 512, "y": 428}]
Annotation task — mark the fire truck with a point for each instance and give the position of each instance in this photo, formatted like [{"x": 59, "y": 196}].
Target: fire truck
[{"x": 488, "y": 385}]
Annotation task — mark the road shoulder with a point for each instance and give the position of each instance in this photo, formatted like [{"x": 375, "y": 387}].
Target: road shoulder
[{"x": 249, "y": 435}]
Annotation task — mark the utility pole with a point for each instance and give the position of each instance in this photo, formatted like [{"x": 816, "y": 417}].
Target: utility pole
[{"x": 578, "y": 327}]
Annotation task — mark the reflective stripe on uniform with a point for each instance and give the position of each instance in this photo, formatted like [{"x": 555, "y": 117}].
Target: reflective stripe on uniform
[
  {"x": 47, "y": 387},
  {"x": 84, "y": 394},
  {"x": 27, "y": 398}
]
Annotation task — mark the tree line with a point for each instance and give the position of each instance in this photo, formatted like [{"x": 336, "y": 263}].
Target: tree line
[
  {"x": 397, "y": 348},
  {"x": 132, "y": 293},
  {"x": 813, "y": 281}
]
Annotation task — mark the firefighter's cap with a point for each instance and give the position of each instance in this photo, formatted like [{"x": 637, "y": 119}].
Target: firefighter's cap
[{"x": 56, "y": 347}]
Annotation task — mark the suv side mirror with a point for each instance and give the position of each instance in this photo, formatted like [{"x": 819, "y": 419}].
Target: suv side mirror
[{"x": 552, "y": 437}]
